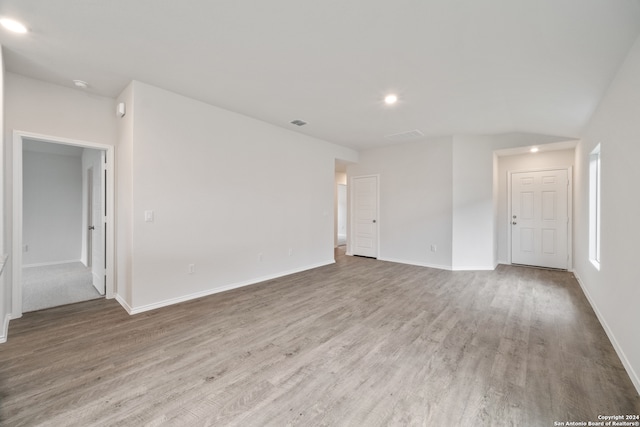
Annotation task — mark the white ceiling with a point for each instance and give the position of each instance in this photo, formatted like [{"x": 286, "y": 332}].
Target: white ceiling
[{"x": 458, "y": 66}]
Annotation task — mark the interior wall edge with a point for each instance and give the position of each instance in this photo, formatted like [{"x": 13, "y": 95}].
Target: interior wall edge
[
  {"x": 633, "y": 375},
  {"x": 120, "y": 299}
]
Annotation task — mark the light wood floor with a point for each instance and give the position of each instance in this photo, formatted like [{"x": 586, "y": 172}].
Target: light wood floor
[{"x": 358, "y": 343}]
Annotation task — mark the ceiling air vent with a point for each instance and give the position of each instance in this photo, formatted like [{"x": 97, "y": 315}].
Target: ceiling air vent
[
  {"x": 405, "y": 136},
  {"x": 298, "y": 122}
]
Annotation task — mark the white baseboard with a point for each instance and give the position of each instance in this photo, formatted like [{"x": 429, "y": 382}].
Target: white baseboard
[
  {"x": 165, "y": 303},
  {"x": 635, "y": 379},
  {"x": 5, "y": 329},
  {"x": 474, "y": 268},
  {"x": 438, "y": 266},
  {"x": 43, "y": 264},
  {"x": 419, "y": 264},
  {"x": 124, "y": 303}
]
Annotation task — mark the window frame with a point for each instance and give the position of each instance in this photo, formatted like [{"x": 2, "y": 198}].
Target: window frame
[{"x": 595, "y": 202}]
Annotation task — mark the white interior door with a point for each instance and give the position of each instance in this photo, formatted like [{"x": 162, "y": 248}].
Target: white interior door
[
  {"x": 97, "y": 230},
  {"x": 539, "y": 218},
  {"x": 90, "y": 219},
  {"x": 365, "y": 216}
]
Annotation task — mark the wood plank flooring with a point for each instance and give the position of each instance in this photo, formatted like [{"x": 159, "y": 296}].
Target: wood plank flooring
[{"x": 358, "y": 343}]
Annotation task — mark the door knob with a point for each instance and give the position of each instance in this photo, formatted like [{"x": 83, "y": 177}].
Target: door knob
[
  {"x": 514, "y": 223},
  {"x": 91, "y": 227},
  {"x": 374, "y": 221}
]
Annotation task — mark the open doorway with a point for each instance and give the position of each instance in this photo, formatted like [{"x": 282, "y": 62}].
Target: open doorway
[
  {"x": 62, "y": 217},
  {"x": 340, "y": 208},
  {"x": 63, "y": 205},
  {"x": 340, "y": 228},
  {"x": 342, "y": 215}
]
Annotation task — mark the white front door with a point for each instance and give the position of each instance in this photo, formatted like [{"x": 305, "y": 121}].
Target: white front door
[
  {"x": 365, "y": 216},
  {"x": 539, "y": 218}
]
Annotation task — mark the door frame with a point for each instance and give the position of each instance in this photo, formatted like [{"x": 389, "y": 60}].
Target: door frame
[
  {"x": 346, "y": 214},
  {"x": 16, "y": 274},
  {"x": 569, "y": 210},
  {"x": 351, "y": 213}
]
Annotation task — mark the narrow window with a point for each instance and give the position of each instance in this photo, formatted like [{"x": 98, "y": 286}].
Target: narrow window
[{"x": 594, "y": 207}]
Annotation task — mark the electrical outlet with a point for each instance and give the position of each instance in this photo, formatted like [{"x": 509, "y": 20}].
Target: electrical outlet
[
  {"x": 290, "y": 251},
  {"x": 191, "y": 269},
  {"x": 260, "y": 257},
  {"x": 434, "y": 248},
  {"x": 26, "y": 248}
]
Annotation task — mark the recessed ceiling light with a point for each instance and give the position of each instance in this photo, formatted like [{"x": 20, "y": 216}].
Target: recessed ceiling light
[
  {"x": 81, "y": 84},
  {"x": 13, "y": 25},
  {"x": 390, "y": 99},
  {"x": 534, "y": 150}
]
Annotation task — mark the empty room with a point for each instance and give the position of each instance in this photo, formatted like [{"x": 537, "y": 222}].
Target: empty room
[{"x": 360, "y": 213}]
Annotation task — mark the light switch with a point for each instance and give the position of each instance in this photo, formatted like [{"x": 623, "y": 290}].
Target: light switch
[{"x": 148, "y": 216}]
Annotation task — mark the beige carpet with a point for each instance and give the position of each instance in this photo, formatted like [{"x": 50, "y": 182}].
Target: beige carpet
[{"x": 55, "y": 285}]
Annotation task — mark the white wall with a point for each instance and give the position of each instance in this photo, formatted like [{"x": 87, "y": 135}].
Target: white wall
[
  {"x": 230, "y": 194},
  {"x": 614, "y": 291},
  {"x": 559, "y": 159},
  {"x": 5, "y": 284},
  {"x": 241, "y": 187},
  {"x": 44, "y": 108},
  {"x": 474, "y": 211},
  {"x": 415, "y": 200},
  {"x": 52, "y": 208},
  {"x": 442, "y": 192},
  {"x": 124, "y": 205}
]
